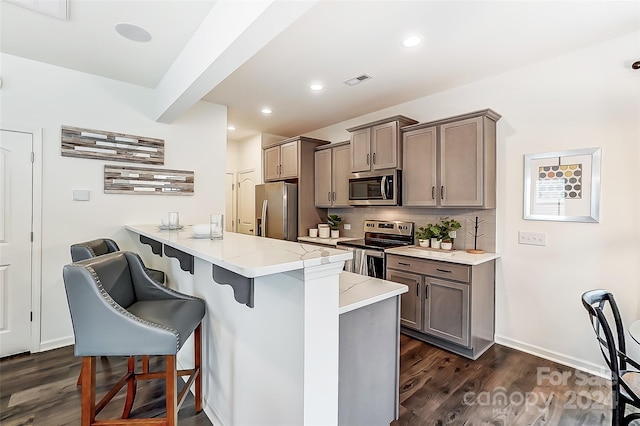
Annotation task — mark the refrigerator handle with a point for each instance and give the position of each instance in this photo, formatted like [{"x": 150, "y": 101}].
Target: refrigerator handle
[{"x": 264, "y": 218}]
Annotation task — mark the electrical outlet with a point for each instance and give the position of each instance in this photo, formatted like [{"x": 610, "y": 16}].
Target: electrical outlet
[
  {"x": 347, "y": 226},
  {"x": 532, "y": 238}
]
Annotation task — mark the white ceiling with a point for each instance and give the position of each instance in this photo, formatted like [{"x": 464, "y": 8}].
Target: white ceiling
[{"x": 332, "y": 42}]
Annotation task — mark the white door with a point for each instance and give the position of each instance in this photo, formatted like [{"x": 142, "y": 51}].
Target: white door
[
  {"x": 230, "y": 217},
  {"x": 246, "y": 202},
  {"x": 16, "y": 178}
]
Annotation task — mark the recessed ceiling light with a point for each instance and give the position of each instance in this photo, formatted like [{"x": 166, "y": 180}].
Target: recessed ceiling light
[
  {"x": 266, "y": 110},
  {"x": 316, "y": 87},
  {"x": 133, "y": 32},
  {"x": 231, "y": 128},
  {"x": 412, "y": 41}
]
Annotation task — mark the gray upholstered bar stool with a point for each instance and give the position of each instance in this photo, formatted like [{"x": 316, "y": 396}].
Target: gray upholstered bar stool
[
  {"x": 117, "y": 309},
  {"x": 100, "y": 246}
]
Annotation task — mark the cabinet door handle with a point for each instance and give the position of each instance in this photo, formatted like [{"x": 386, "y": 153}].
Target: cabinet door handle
[
  {"x": 367, "y": 159},
  {"x": 444, "y": 270},
  {"x": 334, "y": 195},
  {"x": 404, "y": 264},
  {"x": 374, "y": 158},
  {"x": 442, "y": 192},
  {"x": 433, "y": 192},
  {"x": 418, "y": 290},
  {"x": 329, "y": 195},
  {"x": 426, "y": 291}
]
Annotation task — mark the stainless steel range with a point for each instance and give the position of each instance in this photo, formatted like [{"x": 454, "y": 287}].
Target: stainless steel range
[{"x": 368, "y": 256}]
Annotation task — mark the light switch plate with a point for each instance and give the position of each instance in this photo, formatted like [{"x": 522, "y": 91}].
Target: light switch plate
[
  {"x": 81, "y": 195},
  {"x": 532, "y": 238}
]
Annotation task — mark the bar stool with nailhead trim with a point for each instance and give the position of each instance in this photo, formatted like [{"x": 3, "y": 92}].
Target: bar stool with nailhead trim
[{"x": 118, "y": 310}]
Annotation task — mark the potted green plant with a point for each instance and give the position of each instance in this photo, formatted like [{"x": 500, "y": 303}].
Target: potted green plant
[
  {"x": 449, "y": 228},
  {"x": 423, "y": 234},
  {"x": 436, "y": 234},
  {"x": 334, "y": 222}
]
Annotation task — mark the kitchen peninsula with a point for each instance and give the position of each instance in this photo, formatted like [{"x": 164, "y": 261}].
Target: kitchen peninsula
[{"x": 287, "y": 325}]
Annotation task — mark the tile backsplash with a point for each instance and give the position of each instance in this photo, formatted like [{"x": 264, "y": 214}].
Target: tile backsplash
[{"x": 421, "y": 216}]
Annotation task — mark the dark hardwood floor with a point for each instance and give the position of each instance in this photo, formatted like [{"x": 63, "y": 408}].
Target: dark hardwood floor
[
  {"x": 40, "y": 389},
  {"x": 503, "y": 387}
]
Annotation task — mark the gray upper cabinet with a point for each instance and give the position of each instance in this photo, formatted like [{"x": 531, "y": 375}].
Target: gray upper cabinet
[
  {"x": 462, "y": 164},
  {"x": 361, "y": 150},
  {"x": 376, "y": 145},
  {"x": 332, "y": 168},
  {"x": 322, "y": 160},
  {"x": 451, "y": 162},
  {"x": 271, "y": 158},
  {"x": 293, "y": 160},
  {"x": 419, "y": 163},
  {"x": 281, "y": 162}
]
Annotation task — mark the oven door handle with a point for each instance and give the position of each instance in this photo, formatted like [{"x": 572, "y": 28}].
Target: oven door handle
[
  {"x": 374, "y": 253},
  {"x": 383, "y": 187}
]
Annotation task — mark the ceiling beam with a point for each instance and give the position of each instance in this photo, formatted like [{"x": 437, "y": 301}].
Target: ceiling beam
[{"x": 231, "y": 33}]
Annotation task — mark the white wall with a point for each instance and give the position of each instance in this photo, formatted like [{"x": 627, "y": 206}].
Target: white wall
[
  {"x": 588, "y": 98},
  {"x": 249, "y": 153},
  {"x": 246, "y": 154},
  {"x": 37, "y": 95}
]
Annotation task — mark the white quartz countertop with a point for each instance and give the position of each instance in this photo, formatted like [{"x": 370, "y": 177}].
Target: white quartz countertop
[
  {"x": 246, "y": 255},
  {"x": 453, "y": 256},
  {"x": 357, "y": 291},
  {"x": 327, "y": 241}
]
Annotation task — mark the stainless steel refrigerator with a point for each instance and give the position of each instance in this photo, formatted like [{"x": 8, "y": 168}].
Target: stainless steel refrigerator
[{"x": 277, "y": 210}]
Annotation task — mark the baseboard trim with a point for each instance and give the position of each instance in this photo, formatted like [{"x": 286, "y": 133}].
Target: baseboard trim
[
  {"x": 48, "y": 345},
  {"x": 569, "y": 361}
]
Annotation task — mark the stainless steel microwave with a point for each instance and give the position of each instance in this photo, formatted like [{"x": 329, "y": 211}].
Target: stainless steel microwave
[{"x": 375, "y": 188}]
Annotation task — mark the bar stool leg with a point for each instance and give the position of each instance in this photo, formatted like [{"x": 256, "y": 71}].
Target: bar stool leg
[
  {"x": 171, "y": 390},
  {"x": 197, "y": 365},
  {"x": 88, "y": 376},
  {"x": 131, "y": 387}
]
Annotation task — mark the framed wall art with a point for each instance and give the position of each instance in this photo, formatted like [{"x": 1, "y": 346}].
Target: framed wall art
[
  {"x": 142, "y": 180},
  {"x": 110, "y": 146},
  {"x": 563, "y": 186}
]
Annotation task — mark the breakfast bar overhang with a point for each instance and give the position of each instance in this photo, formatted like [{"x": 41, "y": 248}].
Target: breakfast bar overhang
[{"x": 278, "y": 314}]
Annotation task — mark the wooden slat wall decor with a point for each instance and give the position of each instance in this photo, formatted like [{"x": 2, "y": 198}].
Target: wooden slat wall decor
[
  {"x": 141, "y": 180},
  {"x": 86, "y": 143}
]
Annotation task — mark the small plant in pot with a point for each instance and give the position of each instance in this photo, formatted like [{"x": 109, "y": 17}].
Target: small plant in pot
[
  {"x": 436, "y": 235},
  {"x": 423, "y": 235},
  {"x": 449, "y": 228},
  {"x": 334, "y": 222}
]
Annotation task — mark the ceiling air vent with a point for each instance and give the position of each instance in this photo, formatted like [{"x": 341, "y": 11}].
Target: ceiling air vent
[{"x": 357, "y": 80}]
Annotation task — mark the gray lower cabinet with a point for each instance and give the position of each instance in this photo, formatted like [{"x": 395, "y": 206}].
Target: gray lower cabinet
[
  {"x": 369, "y": 366},
  {"x": 410, "y": 302},
  {"x": 446, "y": 310},
  {"x": 449, "y": 305}
]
